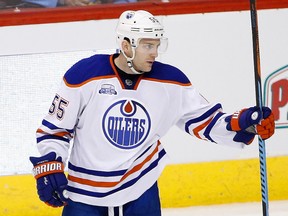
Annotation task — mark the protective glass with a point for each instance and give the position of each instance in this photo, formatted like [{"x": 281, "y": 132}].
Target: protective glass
[{"x": 152, "y": 48}]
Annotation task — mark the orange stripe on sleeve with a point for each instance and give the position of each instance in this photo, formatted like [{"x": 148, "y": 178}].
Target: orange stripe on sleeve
[
  {"x": 201, "y": 127},
  {"x": 60, "y": 134}
]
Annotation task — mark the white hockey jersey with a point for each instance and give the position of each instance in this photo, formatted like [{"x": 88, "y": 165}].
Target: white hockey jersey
[{"x": 116, "y": 154}]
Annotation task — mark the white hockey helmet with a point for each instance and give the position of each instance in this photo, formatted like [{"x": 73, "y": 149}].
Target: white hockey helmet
[{"x": 136, "y": 25}]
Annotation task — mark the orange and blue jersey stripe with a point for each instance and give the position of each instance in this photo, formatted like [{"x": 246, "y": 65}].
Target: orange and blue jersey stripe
[{"x": 106, "y": 188}]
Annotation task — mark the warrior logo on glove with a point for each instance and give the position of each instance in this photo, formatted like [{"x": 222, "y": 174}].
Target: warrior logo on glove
[{"x": 51, "y": 180}]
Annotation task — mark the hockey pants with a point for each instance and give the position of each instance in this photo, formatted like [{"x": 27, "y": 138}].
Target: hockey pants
[{"x": 146, "y": 205}]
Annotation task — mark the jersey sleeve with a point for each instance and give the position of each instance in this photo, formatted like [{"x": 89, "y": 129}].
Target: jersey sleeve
[
  {"x": 204, "y": 120},
  {"x": 57, "y": 128}
]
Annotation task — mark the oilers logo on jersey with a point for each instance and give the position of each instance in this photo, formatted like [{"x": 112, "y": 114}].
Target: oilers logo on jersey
[{"x": 126, "y": 124}]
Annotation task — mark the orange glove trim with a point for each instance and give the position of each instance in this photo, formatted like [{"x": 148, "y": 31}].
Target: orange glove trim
[
  {"x": 266, "y": 128},
  {"x": 47, "y": 168},
  {"x": 235, "y": 120}
]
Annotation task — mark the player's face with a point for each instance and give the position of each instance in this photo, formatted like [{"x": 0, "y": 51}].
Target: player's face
[{"x": 145, "y": 54}]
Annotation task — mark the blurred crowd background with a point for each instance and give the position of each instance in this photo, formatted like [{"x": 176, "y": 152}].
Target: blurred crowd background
[{"x": 10, "y": 4}]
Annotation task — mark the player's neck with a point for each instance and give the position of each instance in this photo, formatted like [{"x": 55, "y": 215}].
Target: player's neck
[{"x": 121, "y": 62}]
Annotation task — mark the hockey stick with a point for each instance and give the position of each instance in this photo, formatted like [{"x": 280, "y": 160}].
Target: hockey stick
[{"x": 258, "y": 90}]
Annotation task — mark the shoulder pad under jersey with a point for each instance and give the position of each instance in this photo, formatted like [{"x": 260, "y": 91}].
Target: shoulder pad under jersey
[
  {"x": 167, "y": 73},
  {"x": 93, "y": 67}
]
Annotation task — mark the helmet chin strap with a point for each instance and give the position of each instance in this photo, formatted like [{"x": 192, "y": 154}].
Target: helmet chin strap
[{"x": 130, "y": 62}]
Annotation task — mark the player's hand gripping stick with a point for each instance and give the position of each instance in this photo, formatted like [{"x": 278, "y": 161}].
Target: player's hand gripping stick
[
  {"x": 248, "y": 122},
  {"x": 51, "y": 180}
]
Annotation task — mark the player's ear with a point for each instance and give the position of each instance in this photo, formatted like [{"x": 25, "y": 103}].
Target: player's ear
[{"x": 126, "y": 47}]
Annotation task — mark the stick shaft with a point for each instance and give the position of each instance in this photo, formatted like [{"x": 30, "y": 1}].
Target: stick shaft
[{"x": 258, "y": 91}]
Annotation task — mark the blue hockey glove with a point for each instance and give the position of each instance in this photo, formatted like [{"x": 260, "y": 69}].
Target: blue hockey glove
[
  {"x": 51, "y": 180},
  {"x": 247, "y": 123}
]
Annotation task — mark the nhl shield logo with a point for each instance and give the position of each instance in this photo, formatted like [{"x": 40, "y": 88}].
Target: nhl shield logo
[
  {"x": 126, "y": 124},
  {"x": 276, "y": 96}
]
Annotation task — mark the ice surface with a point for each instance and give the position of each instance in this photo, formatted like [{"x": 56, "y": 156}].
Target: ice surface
[{"x": 276, "y": 208}]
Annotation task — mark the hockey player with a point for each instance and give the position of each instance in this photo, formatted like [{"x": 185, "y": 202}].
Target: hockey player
[{"x": 116, "y": 108}]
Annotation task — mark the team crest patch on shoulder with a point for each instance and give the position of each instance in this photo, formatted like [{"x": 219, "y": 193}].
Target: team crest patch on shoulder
[
  {"x": 108, "y": 89},
  {"x": 126, "y": 124}
]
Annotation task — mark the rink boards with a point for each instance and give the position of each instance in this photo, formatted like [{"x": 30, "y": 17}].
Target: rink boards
[{"x": 180, "y": 185}]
